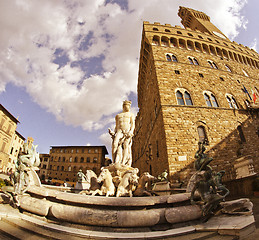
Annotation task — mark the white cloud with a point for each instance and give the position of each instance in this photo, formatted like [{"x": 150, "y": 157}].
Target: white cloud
[
  {"x": 82, "y": 30},
  {"x": 253, "y": 45}
]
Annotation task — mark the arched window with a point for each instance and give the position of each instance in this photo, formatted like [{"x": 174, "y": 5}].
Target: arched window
[
  {"x": 183, "y": 97},
  {"x": 70, "y": 159},
  {"x": 155, "y": 40},
  {"x": 62, "y": 168},
  {"x": 213, "y": 100},
  {"x": 202, "y": 134},
  {"x": 210, "y": 99},
  {"x": 212, "y": 64},
  {"x": 164, "y": 42},
  {"x": 81, "y": 159},
  {"x": 76, "y": 159},
  {"x": 64, "y": 159},
  {"x": 179, "y": 97},
  {"x": 231, "y": 101},
  {"x": 193, "y": 61},
  {"x": 69, "y": 168},
  {"x": 174, "y": 58},
  {"x": 57, "y": 168},
  {"x": 228, "y": 68},
  {"x": 187, "y": 98},
  {"x": 207, "y": 99},
  {"x": 168, "y": 58}
]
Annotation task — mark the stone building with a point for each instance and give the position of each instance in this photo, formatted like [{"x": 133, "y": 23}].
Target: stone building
[
  {"x": 8, "y": 124},
  {"x": 66, "y": 161},
  {"x": 195, "y": 84},
  {"x": 44, "y": 163}
]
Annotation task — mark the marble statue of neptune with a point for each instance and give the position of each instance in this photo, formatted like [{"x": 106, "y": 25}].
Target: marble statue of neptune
[{"x": 122, "y": 136}]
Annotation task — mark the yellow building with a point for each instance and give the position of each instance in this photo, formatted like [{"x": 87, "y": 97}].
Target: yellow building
[
  {"x": 194, "y": 84},
  {"x": 66, "y": 161},
  {"x": 44, "y": 163},
  {"x": 8, "y": 124}
]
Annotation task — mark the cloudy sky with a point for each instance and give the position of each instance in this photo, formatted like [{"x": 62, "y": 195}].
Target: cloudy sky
[{"x": 66, "y": 66}]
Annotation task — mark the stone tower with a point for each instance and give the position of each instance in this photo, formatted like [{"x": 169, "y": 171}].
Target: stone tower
[{"x": 194, "y": 84}]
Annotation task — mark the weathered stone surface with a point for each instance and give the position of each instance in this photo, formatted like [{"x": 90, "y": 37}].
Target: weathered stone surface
[
  {"x": 34, "y": 205},
  {"x": 107, "y": 201},
  {"x": 84, "y": 215},
  {"x": 180, "y": 197},
  {"x": 183, "y": 213},
  {"x": 142, "y": 218}
]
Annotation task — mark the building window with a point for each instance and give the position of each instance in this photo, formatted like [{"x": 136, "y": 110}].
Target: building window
[
  {"x": 70, "y": 159},
  {"x": 168, "y": 58},
  {"x": 231, "y": 101},
  {"x": 190, "y": 34},
  {"x": 81, "y": 159},
  {"x": 202, "y": 134},
  {"x": 179, "y": 97},
  {"x": 177, "y": 71},
  {"x": 210, "y": 100},
  {"x": 174, "y": 58},
  {"x": 155, "y": 40},
  {"x": 96, "y": 150},
  {"x": 178, "y": 32},
  {"x": 212, "y": 64},
  {"x": 62, "y": 168},
  {"x": 76, "y": 159},
  {"x": 69, "y": 168},
  {"x": 59, "y": 159},
  {"x": 193, "y": 61},
  {"x": 155, "y": 29},
  {"x": 64, "y": 159},
  {"x": 201, "y": 75},
  {"x": 57, "y": 168},
  {"x": 183, "y": 98},
  {"x": 228, "y": 68},
  {"x": 95, "y": 159},
  {"x": 88, "y": 159}
]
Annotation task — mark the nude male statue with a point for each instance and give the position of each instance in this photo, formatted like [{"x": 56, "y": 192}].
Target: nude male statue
[{"x": 122, "y": 136}]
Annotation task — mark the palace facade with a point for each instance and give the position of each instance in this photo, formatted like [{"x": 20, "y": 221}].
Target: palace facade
[{"x": 195, "y": 84}]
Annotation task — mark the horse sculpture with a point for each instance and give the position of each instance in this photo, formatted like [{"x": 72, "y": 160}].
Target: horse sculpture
[
  {"x": 127, "y": 184},
  {"x": 108, "y": 187},
  {"x": 92, "y": 183},
  {"x": 145, "y": 180}
]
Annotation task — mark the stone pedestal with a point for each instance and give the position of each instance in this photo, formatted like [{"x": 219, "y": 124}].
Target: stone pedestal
[{"x": 162, "y": 188}]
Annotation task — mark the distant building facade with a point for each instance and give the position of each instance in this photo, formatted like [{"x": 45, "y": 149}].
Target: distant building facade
[
  {"x": 66, "y": 161},
  {"x": 8, "y": 124},
  {"x": 44, "y": 163},
  {"x": 194, "y": 84}
]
